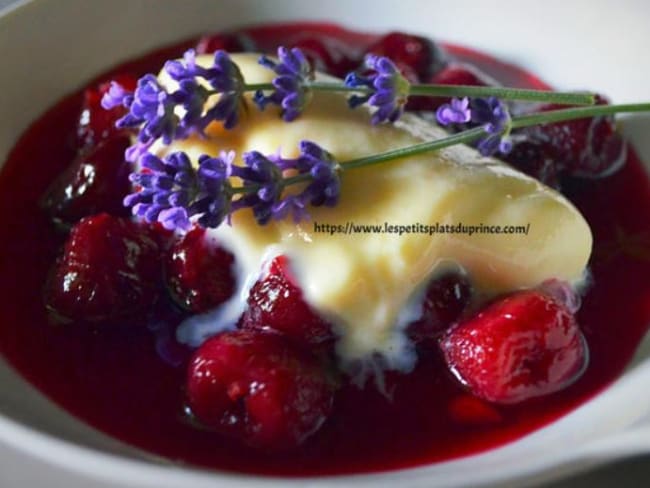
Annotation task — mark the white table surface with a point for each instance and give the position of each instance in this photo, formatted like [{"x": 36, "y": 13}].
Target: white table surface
[{"x": 17, "y": 470}]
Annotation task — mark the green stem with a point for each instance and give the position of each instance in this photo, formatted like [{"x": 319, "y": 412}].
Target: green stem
[
  {"x": 460, "y": 138},
  {"x": 252, "y": 87},
  {"x": 468, "y": 136},
  {"x": 476, "y": 133},
  {"x": 564, "y": 98},
  {"x": 577, "y": 113}
]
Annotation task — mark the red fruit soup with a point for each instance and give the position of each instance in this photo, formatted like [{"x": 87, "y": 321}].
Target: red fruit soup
[{"x": 130, "y": 381}]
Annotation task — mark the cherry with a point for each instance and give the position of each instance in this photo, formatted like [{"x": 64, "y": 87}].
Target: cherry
[
  {"x": 519, "y": 347},
  {"x": 445, "y": 299},
  {"x": 109, "y": 271},
  {"x": 327, "y": 54},
  {"x": 530, "y": 156},
  {"x": 232, "y": 43},
  {"x": 199, "y": 273},
  {"x": 96, "y": 181},
  {"x": 417, "y": 57},
  {"x": 96, "y": 123},
  {"x": 275, "y": 302},
  {"x": 256, "y": 387},
  {"x": 586, "y": 148}
]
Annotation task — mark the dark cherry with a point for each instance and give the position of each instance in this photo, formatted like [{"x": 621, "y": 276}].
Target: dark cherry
[
  {"x": 275, "y": 302},
  {"x": 327, "y": 54},
  {"x": 96, "y": 181},
  {"x": 198, "y": 272},
  {"x": 445, "y": 300},
  {"x": 417, "y": 57},
  {"x": 586, "y": 148},
  {"x": 96, "y": 123},
  {"x": 110, "y": 271},
  {"x": 256, "y": 387},
  {"x": 231, "y": 42},
  {"x": 529, "y": 155},
  {"x": 519, "y": 347}
]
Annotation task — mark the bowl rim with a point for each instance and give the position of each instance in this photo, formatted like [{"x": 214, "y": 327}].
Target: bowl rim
[{"x": 98, "y": 464}]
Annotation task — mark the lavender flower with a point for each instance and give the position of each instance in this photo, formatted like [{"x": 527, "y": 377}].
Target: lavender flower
[
  {"x": 457, "y": 111},
  {"x": 116, "y": 96},
  {"x": 167, "y": 186},
  {"x": 172, "y": 191},
  {"x": 293, "y": 205},
  {"x": 264, "y": 176},
  {"x": 493, "y": 114},
  {"x": 389, "y": 90},
  {"x": 153, "y": 109},
  {"x": 150, "y": 107},
  {"x": 192, "y": 97},
  {"x": 325, "y": 188},
  {"x": 226, "y": 78},
  {"x": 292, "y": 91},
  {"x": 187, "y": 68},
  {"x": 214, "y": 197}
]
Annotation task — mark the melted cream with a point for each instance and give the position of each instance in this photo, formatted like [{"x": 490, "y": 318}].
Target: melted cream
[{"x": 369, "y": 284}]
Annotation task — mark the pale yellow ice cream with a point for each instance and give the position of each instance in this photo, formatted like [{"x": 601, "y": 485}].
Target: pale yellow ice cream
[{"x": 364, "y": 281}]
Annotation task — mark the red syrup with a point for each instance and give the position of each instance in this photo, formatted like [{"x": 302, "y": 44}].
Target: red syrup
[{"x": 115, "y": 381}]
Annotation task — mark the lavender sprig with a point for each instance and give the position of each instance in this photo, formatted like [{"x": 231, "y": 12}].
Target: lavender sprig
[
  {"x": 176, "y": 114},
  {"x": 490, "y": 113},
  {"x": 171, "y": 191},
  {"x": 175, "y": 194},
  {"x": 291, "y": 87},
  {"x": 388, "y": 89},
  {"x": 153, "y": 109}
]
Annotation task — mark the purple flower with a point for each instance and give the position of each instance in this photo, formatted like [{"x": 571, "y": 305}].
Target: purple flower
[
  {"x": 226, "y": 78},
  {"x": 166, "y": 187},
  {"x": 389, "y": 90},
  {"x": 135, "y": 152},
  {"x": 116, "y": 96},
  {"x": 150, "y": 107},
  {"x": 324, "y": 184},
  {"x": 171, "y": 191},
  {"x": 185, "y": 69},
  {"x": 494, "y": 143},
  {"x": 325, "y": 187},
  {"x": 293, "y": 205},
  {"x": 214, "y": 196},
  {"x": 291, "y": 92},
  {"x": 457, "y": 111},
  {"x": 192, "y": 97},
  {"x": 493, "y": 114},
  {"x": 264, "y": 176}
]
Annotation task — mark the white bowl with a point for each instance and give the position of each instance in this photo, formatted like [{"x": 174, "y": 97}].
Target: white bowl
[{"x": 50, "y": 48}]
